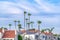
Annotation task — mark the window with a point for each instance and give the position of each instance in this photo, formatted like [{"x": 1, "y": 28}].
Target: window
[
  {"x": 36, "y": 36},
  {"x": 43, "y": 36},
  {"x": 3, "y": 39},
  {"x": 49, "y": 37},
  {"x": 54, "y": 38},
  {"x": 7, "y": 39}
]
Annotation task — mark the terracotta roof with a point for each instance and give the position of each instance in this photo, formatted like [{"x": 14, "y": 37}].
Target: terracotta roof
[
  {"x": 9, "y": 34},
  {"x": 23, "y": 31},
  {"x": 34, "y": 31},
  {"x": 29, "y": 31},
  {"x": 47, "y": 33}
]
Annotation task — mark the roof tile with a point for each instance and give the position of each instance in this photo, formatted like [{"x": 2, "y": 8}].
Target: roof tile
[{"x": 9, "y": 34}]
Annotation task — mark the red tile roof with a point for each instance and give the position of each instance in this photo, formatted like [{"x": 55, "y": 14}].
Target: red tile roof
[
  {"x": 36, "y": 31},
  {"x": 47, "y": 33},
  {"x": 9, "y": 34},
  {"x": 31, "y": 30},
  {"x": 23, "y": 31}
]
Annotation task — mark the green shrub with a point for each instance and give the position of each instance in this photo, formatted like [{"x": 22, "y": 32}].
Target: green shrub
[{"x": 19, "y": 37}]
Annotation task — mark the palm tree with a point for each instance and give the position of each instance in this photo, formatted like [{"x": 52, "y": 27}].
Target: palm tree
[
  {"x": 39, "y": 22},
  {"x": 26, "y": 22},
  {"x": 43, "y": 30},
  {"x": 18, "y": 22},
  {"x": 28, "y": 25},
  {"x": 29, "y": 18},
  {"x": 19, "y": 26},
  {"x": 50, "y": 31},
  {"x": 10, "y": 26},
  {"x": 32, "y": 24},
  {"x": 2, "y": 27},
  {"x": 24, "y": 17},
  {"x": 15, "y": 23}
]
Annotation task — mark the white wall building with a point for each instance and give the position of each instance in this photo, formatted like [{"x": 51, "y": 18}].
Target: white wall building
[{"x": 34, "y": 35}]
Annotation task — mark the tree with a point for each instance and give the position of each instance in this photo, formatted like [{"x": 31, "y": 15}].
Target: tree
[
  {"x": 39, "y": 22},
  {"x": 18, "y": 22},
  {"x": 15, "y": 23},
  {"x": 26, "y": 22},
  {"x": 28, "y": 25},
  {"x": 50, "y": 31},
  {"x": 20, "y": 37},
  {"x": 19, "y": 26},
  {"x": 10, "y": 26},
  {"x": 32, "y": 24},
  {"x": 43, "y": 30},
  {"x": 55, "y": 34},
  {"x": 29, "y": 18},
  {"x": 24, "y": 17},
  {"x": 3, "y": 28}
]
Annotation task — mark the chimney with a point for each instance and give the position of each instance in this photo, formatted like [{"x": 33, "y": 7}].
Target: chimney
[
  {"x": 15, "y": 32},
  {"x": 3, "y": 30}
]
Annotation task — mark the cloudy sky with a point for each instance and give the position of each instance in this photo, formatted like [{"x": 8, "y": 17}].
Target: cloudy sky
[{"x": 48, "y": 11}]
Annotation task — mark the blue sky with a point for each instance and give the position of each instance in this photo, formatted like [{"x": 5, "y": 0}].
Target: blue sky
[{"x": 48, "y": 11}]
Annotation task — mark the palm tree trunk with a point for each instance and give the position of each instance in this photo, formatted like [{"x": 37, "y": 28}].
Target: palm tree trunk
[
  {"x": 29, "y": 22},
  {"x": 26, "y": 24},
  {"x": 32, "y": 26},
  {"x": 39, "y": 31},
  {"x": 28, "y": 27},
  {"x": 39, "y": 27},
  {"x": 24, "y": 21},
  {"x": 15, "y": 25}
]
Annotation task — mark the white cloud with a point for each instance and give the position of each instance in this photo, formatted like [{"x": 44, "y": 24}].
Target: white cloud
[
  {"x": 48, "y": 7},
  {"x": 39, "y": 6},
  {"x": 5, "y": 7},
  {"x": 16, "y": 8},
  {"x": 27, "y": 6},
  {"x": 4, "y": 19}
]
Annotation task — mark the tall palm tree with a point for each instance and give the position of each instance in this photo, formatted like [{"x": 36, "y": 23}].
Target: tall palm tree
[
  {"x": 39, "y": 22},
  {"x": 32, "y": 24},
  {"x": 24, "y": 17},
  {"x": 29, "y": 17},
  {"x": 15, "y": 23},
  {"x": 26, "y": 22},
  {"x": 18, "y": 22},
  {"x": 28, "y": 25},
  {"x": 10, "y": 26},
  {"x": 19, "y": 26}
]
